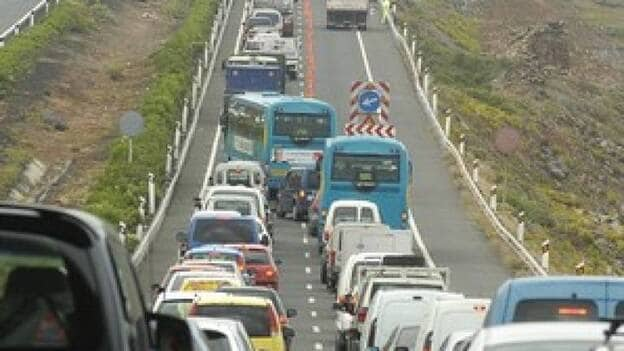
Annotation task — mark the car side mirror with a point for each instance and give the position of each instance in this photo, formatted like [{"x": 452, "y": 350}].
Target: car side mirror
[
  {"x": 180, "y": 237},
  {"x": 168, "y": 331},
  {"x": 264, "y": 240},
  {"x": 278, "y": 261},
  {"x": 291, "y": 312},
  {"x": 289, "y": 332}
]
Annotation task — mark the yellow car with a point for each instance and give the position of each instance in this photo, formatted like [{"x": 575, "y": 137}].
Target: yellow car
[{"x": 257, "y": 314}]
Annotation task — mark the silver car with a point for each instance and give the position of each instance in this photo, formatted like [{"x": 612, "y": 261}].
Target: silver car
[{"x": 223, "y": 334}]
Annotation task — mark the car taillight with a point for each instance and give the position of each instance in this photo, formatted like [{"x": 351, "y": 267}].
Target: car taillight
[
  {"x": 361, "y": 314},
  {"x": 273, "y": 321},
  {"x": 332, "y": 257},
  {"x": 269, "y": 273},
  {"x": 193, "y": 310},
  {"x": 326, "y": 235},
  {"x": 240, "y": 262},
  {"x": 427, "y": 345}
]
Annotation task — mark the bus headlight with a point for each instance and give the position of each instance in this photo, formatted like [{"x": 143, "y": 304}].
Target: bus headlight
[{"x": 404, "y": 216}]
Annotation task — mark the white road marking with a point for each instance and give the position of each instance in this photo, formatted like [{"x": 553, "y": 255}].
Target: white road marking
[
  {"x": 369, "y": 75},
  {"x": 313, "y": 314},
  {"x": 308, "y": 270},
  {"x": 311, "y": 300},
  {"x": 309, "y": 286},
  {"x": 318, "y": 346},
  {"x": 316, "y": 329}
]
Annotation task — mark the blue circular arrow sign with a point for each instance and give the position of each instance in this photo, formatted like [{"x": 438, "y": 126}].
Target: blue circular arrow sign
[{"x": 368, "y": 101}]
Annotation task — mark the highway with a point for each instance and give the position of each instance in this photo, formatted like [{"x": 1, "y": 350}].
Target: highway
[
  {"x": 13, "y": 10},
  {"x": 338, "y": 58}
]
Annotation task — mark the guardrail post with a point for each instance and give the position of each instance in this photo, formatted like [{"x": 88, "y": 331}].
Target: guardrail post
[
  {"x": 16, "y": 30},
  {"x": 419, "y": 61},
  {"x": 47, "y": 7},
  {"x": 177, "y": 136},
  {"x": 394, "y": 10},
  {"x": 199, "y": 73},
  {"x": 447, "y": 124},
  {"x": 169, "y": 162},
  {"x": 546, "y": 254},
  {"x": 405, "y": 31},
  {"x": 206, "y": 59},
  {"x": 141, "y": 209},
  {"x": 462, "y": 144},
  {"x": 151, "y": 193},
  {"x": 185, "y": 112},
  {"x": 139, "y": 231},
  {"x": 520, "y": 228},
  {"x": 579, "y": 269},
  {"x": 475, "y": 171},
  {"x": 426, "y": 84},
  {"x": 434, "y": 102},
  {"x": 493, "y": 200},
  {"x": 194, "y": 95},
  {"x": 122, "y": 232},
  {"x": 413, "y": 47}
]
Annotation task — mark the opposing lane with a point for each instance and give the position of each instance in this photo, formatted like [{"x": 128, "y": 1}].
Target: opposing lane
[{"x": 13, "y": 10}]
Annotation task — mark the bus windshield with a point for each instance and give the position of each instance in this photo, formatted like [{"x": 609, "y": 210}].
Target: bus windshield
[
  {"x": 302, "y": 125},
  {"x": 382, "y": 168}
]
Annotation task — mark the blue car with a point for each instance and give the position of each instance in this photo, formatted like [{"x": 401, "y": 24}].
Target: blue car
[
  {"x": 219, "y": 228},
  {"x": 297, "y": 191},
  {"x": 563, "y": 298}
]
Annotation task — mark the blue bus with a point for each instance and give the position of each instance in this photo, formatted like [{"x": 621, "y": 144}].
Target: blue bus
[
  {"x": 366, "y": 168},
  {"x": 562, "y": 298},
  {"x": 278, "y": 130}
]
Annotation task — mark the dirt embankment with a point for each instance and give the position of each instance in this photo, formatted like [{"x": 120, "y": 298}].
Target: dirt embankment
[{"x": 66, "y": 111}]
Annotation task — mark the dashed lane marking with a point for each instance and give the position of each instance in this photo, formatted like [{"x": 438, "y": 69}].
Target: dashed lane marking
[
  {"x": 309, "y": 286},
  {"x": 308, "y": 270},
  {"x": 307, "y": 254},
  {"x": 311, "y": 300},
  {"x": 313, "y": 314},
  {"x": 305, "y": 240},
  {"x": 316, "y": 329}
]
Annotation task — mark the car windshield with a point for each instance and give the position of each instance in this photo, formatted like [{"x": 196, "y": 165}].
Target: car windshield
[
  {"x": 225, "y": 231},
  {"x": 345, "y": 214},
  {"x": 177, "y": 308},
  {"x": 260, "y": 22},
  {"x": 366, "y": 168},
  {"x": 255, "y": 319},
  {"x": 256, "y": 257},
  {"x": 302, "y": 125},
  {"x": 39, "y": 292},
  {"x": 240, "y": 206},
  {"x": 392, "y": 286},
  {"x": 211, "y": 255},
  {"x": 555, "y": 345},
  {"x": 217, "y": 341}
]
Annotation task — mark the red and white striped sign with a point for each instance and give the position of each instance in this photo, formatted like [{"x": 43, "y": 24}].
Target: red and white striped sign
[
  {"x": 384, "y": 92},
  {"x": 384, "y": 131},
  {"x": 372, "y": 124}
]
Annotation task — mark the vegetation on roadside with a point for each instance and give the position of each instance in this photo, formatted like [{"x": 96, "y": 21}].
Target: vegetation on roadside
[
  {"x": 115, "y": 196},
  {"x": 545, "y": 177}
]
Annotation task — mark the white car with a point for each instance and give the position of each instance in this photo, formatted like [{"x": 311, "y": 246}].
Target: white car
[
  {"x": 224, "y": 334},
  {"x": 257, "y": 195},
  {"x": 448, "y": 317},
  {"x": 543, "y": 336},
  {"x": 455, "y": 341},
  {"x": 390, "y": 308},
  {"x": 245, "y": 205},
  {"x": 349, "y": 211},
  {"x": 246, "y": 173}
]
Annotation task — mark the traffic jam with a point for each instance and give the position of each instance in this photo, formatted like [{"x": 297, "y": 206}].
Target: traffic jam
[{"x": 283, "y": 159}]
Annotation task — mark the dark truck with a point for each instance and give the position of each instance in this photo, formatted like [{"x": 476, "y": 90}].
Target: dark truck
[
  {"x": 67, "y": 283},
  {"x": 347, "y": 14},
  {"x": 254, "y": 73}
]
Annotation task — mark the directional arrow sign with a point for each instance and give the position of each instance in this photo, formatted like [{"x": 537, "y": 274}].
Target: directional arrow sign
[{"x": 369, "y": 101}]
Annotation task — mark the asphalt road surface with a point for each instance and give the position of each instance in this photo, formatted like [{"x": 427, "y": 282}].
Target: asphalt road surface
[
  {"x": 13, "y": 10},
  {"x": 451, "y": 237}
]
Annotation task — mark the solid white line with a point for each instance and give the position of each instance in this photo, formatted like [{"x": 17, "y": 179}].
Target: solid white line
[
  {"x": 311, "y": 300},
  {"x": 369, "y": 75},
  {"x": 316, "y": 329}
]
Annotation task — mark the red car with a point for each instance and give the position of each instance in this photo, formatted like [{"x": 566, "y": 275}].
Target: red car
[{"x": 260, "y": 263}]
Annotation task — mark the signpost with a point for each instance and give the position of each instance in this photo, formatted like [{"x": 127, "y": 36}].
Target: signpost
[
  {"x": 131, "y": 124},
  {"x": 370, "y": 102}
]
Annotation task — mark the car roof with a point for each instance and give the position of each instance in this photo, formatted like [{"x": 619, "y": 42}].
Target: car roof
[
  {"x": 217, "y": 324},
  {"x": 212, "y": 247},
  {"x": 402, "y": 293},
  {"x": 352, "y": 203},
  {"x": 240, "y": 163},
  {"x": 461, "y": 304},
  {"x": 227, "y": 299},
  {"x": 179, "y": 295},
  {"x": 231, "y": 197},
  {"x": 547, "y": 280},
  {"x": 255, "y": 247},
  {"x": 201, "y": 214},
  {"x": 538, "y": 331}
]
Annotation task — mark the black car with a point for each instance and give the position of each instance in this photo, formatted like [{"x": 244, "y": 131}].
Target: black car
[{"x": 297, "y": 191}]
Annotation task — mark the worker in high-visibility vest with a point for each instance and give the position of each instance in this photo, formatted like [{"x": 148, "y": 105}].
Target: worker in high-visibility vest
[{"x": 385, "y": 7}]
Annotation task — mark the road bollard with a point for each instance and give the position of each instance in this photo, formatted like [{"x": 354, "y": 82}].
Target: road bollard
[
  {"x": 31, "y": 20},
  {"x": 413, "y": 48},
  {"x": 475, "y": 171},
  {"x": 434, "y": 102},
  {"x": 546, "y": 255},
  {"x": 493, "y": 200},
  {"x": 206, "y": 58},
  {"x": 177, "y": 137},
  {"x": 199, "y": 73},
  {"x": 141, "y": 209},
  {"x": 579, "y": 269},
  {"x": 139, "y": 231},
  {"x": 194, "y": 95},
  {"x": 419, "y": 62},
  {"x": 426, "y": 83},
  {"x": 151, "y": 193},
  {"x": 520, "y": 228},
  {"x": 447, "y": 124},
  {"x": 169, "y": 162},
  {"x": 185, "y": 112},
  {"x": 122, "y": 232},
  {"x": 462, "y": 145}
]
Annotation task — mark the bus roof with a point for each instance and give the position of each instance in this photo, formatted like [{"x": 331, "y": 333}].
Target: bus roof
[
  {"x": 366, "y": 140},
  {"x": 267, "y": 99}
]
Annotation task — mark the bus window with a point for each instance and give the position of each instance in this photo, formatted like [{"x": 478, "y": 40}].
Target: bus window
[
  {"x": 555, "y": 310},
  {"x": 302, "y": 125},
  {"x": 347, "y": 167}
]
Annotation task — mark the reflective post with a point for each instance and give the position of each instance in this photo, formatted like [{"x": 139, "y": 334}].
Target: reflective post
[
  {"x": 139, "y": 231},
  {"x": 475, "y": 171},
  {"x": 434, "y": 102},
  {"x": 426, "y": 83},
  {"x": 177, "y": 136},
  {"x": 141, "y": 209},
  {"x": 151, "y": 193},
  {"x": 462, "y": 144},
  {"x": 169, "y": 162},
  {"x": 206, "y": 55},
  {"x": 493, "y": 200},
  {"x": 447, "y": 124},
  {"x": 520, "y": 228},
  {"x": 185, "y": 112},
  {"x": 546, "y": 255},
  {"x": 122, "y": 232}
]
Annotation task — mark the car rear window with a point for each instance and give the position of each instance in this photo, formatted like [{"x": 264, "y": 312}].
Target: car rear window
[
  {"x": 176, "y": 308},
  {"x": 255, "y": 319},
  {"x": 238, "y": 177},
  {"x": 217, "y": 341},
  {"x": 225, "y": 231},
  {"x": 256, "y": 257},
  {"x": 189, "y": 283},
  {"x": 242, "y": 207},
  {"x": 239, "y": 193},
  {"x": 345, "y": 214},
  {"x": 555, "y": 310},
  {"x": 211, "y": 255}
]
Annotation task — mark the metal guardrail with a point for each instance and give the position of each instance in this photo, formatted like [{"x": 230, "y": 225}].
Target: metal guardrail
[
  {"x": 28, "y": 20},
  {"x": 430, "y": 108},
  {"x": 219, "y": 25}
]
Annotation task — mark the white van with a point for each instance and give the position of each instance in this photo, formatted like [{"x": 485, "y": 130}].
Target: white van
[
  {"x": 245, "y": 205},
  {"x": 350, "y": 211},
  {"x": 448, "y": 317},
  {"x": 389, "y": 308},
  {"x": 246, "y": 173}
]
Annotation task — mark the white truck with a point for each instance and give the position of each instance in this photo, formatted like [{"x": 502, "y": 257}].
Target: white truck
[
  {"x": 347, "y": 14},
  {"x": 273, "y": 43},
  {"x": 350, "y": 238}
]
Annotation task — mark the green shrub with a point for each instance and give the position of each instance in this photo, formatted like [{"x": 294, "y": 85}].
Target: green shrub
[{"x": 115, "y": 194}]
